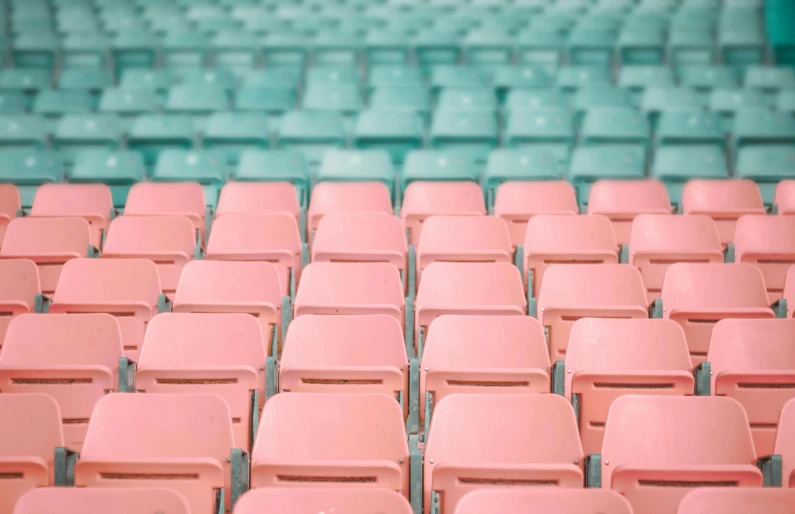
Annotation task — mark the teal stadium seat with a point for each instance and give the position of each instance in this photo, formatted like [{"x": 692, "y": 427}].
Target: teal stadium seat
[
  {"x": 438, "y": 166},
  {"x": 119, "y": 169},
  {"x": 233, "y": 132},
  {"x": 23, "y": 131},
  {"x": 357, "y": 166},
  {"x": 77, "y": 133},
  {"x": 206, "y": 167},
  {"x": 28, "y": 169},
  {"x": 474, "y": 133},
  {"x": 150, "y": 134},
  {"x": 312, "y": 132},
  {"x": 605, "y": 161},
  {"x": 396, "y": 132},
  {"x": 675, "y": 165},
  {"x": 275, "y": 166}
]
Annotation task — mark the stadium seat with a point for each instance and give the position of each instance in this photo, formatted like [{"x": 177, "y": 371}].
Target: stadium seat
[
  {"x": 766, "y": 165},
  {"x": 763, "y": 241},
  {"x": 622, "y": 201},
  {"x": 234, "y": 49},
  {"x": 73, "y": 358},
  {"x": 517, "y": 203},
  {"x": 553, "y": 501},
  {"x": 275, "y": 166},
  {"x": 336, "y": 197},
  {"x": 151, "y": 134},
  {"x": 608, "y": 358},
  {"x": 118, "y": 169},
  {"x": 127, "y": 104},
  {"x": 54, "y": 103},
  {"x": 306, "y": 500},
  {"x": 357, "y": 166},
  {"x": 660, "y": 99},
  {"x": 599, "y": 98},
  {"x": 157, "y": 80},
  {"x": 548, "y": 128},
  {"x": 638, "y": 78},
  {"x": 698, "y": 295},
  {"x": 412, "y": 99},
  {"x": 727, "y": 102},
  {"x": 232, "y": 133},
  {"x": 398, "y": 75},
  {"x": 477, "y": 99},
  {"x": 77, "y": 133},
  {"x": 393, "y": 131},
  {"x": 785, "y": 197},
  {"x": 605, "y": 161},
  {"x": 32, "y": 435},
  {"x": 505, "y": 165},
  {"x": 692, "y": 128},
  {"x": 642, "y": 448},
  {"x": 28, "y": 169},
  {"x": 472, "y": 133},
  {"x": 513, "y": 77},
  {"x": 259, "y": 198},
  {"x": 424, "y": 199},
  {"x": 641, "y": 47},
  {"x": 572, "y": 78},
  {"x": 28, "y": 81},
  {"x": 312, "y": 132},
  {"x": 753, "y": 127},
  {"x": 170, "y": 199},
  {"x": 316, "y": 440},
  {"x": 23, "y": 131},
  {"x": 726, "y": 500},
  {"x": 285, "y": 49},
  {"x": 535, "y": 99},
  {"x": 526, "y": 452},
  {"x": 92, "y": 501},
  {"x": 469, "y": 288},
  {"x": 543, "y": 48},
  {"x": 185, "y": 439},
  {"x": 438, "y": 165},
  {"x": 769, "y": 79},
  {"x": 133, "y": 49},
  {"x": 614, "y": 125},
  {"x": 676, "y": 165},
  {"x": 783, "y": 448},
  {"x": 9, "y": 207},
  {"x": 92, "y": 202},
  {"x": 724, "y": 201},
  {"x": 20, "y": 292},
  {"x": 705, "y": 78},
  {"x": 207, "y": 167},
  {"x": 573, "y": 291},
  {"x": 223, "y": 354}
]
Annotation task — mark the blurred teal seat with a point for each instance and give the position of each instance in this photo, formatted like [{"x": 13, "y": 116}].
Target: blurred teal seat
[
  {"x": 119, "y": 169},
  {"x": 206, "y": 167},
  {"x": 85, "y": 50},
  {"x": 128, "y": 103},
  {"x": 508, "y": 78},
  {"x": 438, "y": 166},
  {"x": 233, "y": 132},
  {"x": 446, "y": 76},
  {"x": 542, "y": 47},
  {"x": 235, "y": 49},
  {"x": 690, "y": 47},
  {"x": 312, "y": 132},
  {"x": 488, "y": 47},
  {"x": 605, "y": 162},
  {"x": 28, "y": 81},
  {"x": 571, "y": 78},
  {"x": 93, "y": 80},
  {"x": 332, "y": 75},
  {"x": 35, "y": 50},
  {"x": 282, "y": 48},
  {"x": 53, "y": 103},
  {"x": 762, "y": 127},
  {"x": 690, "y": 128},
  {"x": 184, "y": 49},
  {"x": 614, "y": 125},
  {"x": 396, "y": 132},
  {"x": 150, "y": 134},
  {"x": 343, "y": 98},
  {"x": 215, "y": 77},
  {"x": 706, "y": 78},
  {"x": 81, "y": 132},
  {"x": 386, "y": 46},
  {"x": 480, "y": 99},
  {"x": 504, "y": 165},
  {"x": 726, "y": 103},
  {"x": 277, "y": 77},
  {"x": 270, "y": 100},
  {"x": 23, "y": 131},
  {"x": 13, "y": 102},
  {"x": 384, "y": 75},
  {"x": 741, "y": 47},
  {"x": 769, "y": 79},
  {"x": 474, "y": 133},
  {"x": 675, "y": 165},
  {"x": 133, "y": 50},
  {"x": 402, "y": 99},
  {"x": 637, "y": 79},
  {"x": 657, "y": 100},
  {"x": 588, "y": 98},
  {"x": 435, "y": 47},
  {"x": 357, "y": 166},
  {"x": 28, "y": 169},
  {"x": 159, "y": 81},
  {"x": 337, "y": 48},
  {"x": 785, "y": 101},
  {"x": 591, "y": 47},
  {"x": 531, "y": 99},
  {"x": 766, "y": 165},
  {"x": 644, "y": 46},
  {"x": 551, "y": 129},
  {"x": 275, "y": 166},
  {"x": 196, "y": 101}
]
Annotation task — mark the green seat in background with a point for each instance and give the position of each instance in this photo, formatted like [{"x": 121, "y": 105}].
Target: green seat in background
[
  {"x": 446, "y": 76},
  {"x": 614, "y": 125},
  {"x": 438, "y": 166},
  {"x": 785, "y": 101},
  {"x": 675, "y": 165},
  {"x": 93, "y": 80},
  {"x": 133, "y": 50},
  {"x": 530, "y": 99},
  {"x": 474, "y": 133},
  {"x": 435, "y": 47},
  {"x": 768, "y": 79},
  {"x": 81, "y": 132},
  {"x": 119, "y": 169},
  {"x": 690, "y": 47},
  {"x": 196, "y": 101},
  {"x": 186, "y": 49},
  {"x": 159, "y": 81},
  {"x": 13, "y": 102},
  {"x": 271, "y": 100},
  {"x": 234, "y": 49},
  {"x": 657, "y": 100},
  {"x": 357, "y": 166},
  {"x": 27, "y": 81},
  {"x": 206, "y": 167},
  {"x": 216, "y": 77},
  {"x": 414, "y": 100},
  {"x": 692, "y": 127},
  {"x": 726, "y": 103},
  {"x": 396, "y": 132},
  {"x": 83, "y": 50},
  {"x": 508, "y": 78},
  {"x": 488, "y": 47},
  {"x": 23, "y": 131},
  {"x": 591, "y": 47},
  {"x": 588, "y": 98},
  {"x": 481, "y": 99},
  {"x": 329, "y": 74},
  {"x": 28, "y": 169},
  {"x": 54, "y": 103},
  {"x": 506, "y": 165},
  {"x": 127, "y": 104},
  {"x": 337, "y": 48},
  {"x": 312, "y": 132},
  {"x": 230, "y": 133},
  {"x": 285, "y": 49},
  {"x": 275, "y": 166},
  {"x": 150, "y": 134},
  {"x": 572, "y": 78},
  {"x": 386, "y": 46},
  {"x": 383, "y": 75},
  {"x": 278, "y": 77},
  {"x": 641, "y": 46},
  {"x": 766, "y": 165},
  {"x": 551, "y": 129},
  {"x": 605, "y": 161},
  {"x": 543, "y": 47},
  {"x": 35, "y": 50},
  {"x": 706, "y": 78},
  {"x": 637, "y": 79},
  {"x": 343, "y": 98},
  {"x": 754, "y": 127},
  {"x": 741, "y": 47}
]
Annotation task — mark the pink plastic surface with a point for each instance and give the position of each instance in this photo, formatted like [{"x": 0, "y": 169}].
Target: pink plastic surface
[
  {"x": 92, "y": 202},
  {"x": 623, "y": 200},
  {"x": 547, "y": 500},
  {"x": 768, "y": 242},
  {"x": 326, "y": 500},
  {"x": 738, "y": 500},
  {"x": 785, "y": 444},
  {"x": 518, "y": 202},
  {"x": 9, "y": 206},
  {"x": 347, "y": 197},
  {"x": 785, "y": 197},
  {"x": 18, "y": 289},
  {"x": 70, "y": 500},
  {"x": 724, "y": 201},
  {"x": 424, "y": 199},
  {"x": 464, "y": 239},
  {"x": 169, "y": 199},
  {"x": 258, "y": 198}
]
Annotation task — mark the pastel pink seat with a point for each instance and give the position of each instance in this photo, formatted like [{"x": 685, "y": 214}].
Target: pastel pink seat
[
  {"x": 622, "y": 200},
  {"x": 507, "y": 442},
  {"x": 753, "y": 361},
  {"x": 128, "y": 289},
  {"x": 74, "y": 358},
  {"x": 548, "y": 500},
  {"x": 730, "y": 500},
  {"x": 314, "y": 500},
  {"x": 699, "y": 295},
  {"x": 322, "y": 440},
  {"x": 169, "y": 199},
  {"x": 346, "y": 197},
  {"x": 223, "y": 287},
  {"x": 18, "y": 289},
  {"x": 168, "y": 241},
  {"x": 657, "y": 241},
  {"x": 518, "y": 202},
  {"x": 724, "y": 201},
  {"x": 259, "y": 237},
  {"x": 31, "y": 428},
  {"x": 71, "y": 500},
  {"x": 574, "y": 291},
  {"x": 554, "y": 239},
  {"x": 486, "y": 288},
  {"x": 785, "y": 197},
  {"x": 9, "y": 207},
  {"x": 608, "y": 358},
  {"x": 351, "y": 288},
  {"x": 167, "y": 441},
  {"x": 49, "y": 242},
  {"x": 422, "y": 200},
  {"x": 361, "y": 237},
  {"x": 221, "y": 354},
  {"x": 483, "y": 354},
  {"x": 345, "y": 354},
  {"x": 92, "y": 202},
  {"x": 659, "y": 448},
  {"x": 258, "y": 198},
  {"x": 785, "y": 444},
  {"x": 768, "y": 242}
]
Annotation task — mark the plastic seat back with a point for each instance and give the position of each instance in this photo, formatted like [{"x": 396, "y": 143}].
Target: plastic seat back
[
  {"x": 608, "y": 358},
  {"x": 784, "y": 444},
  {"x": 623, "y": 200},
  {"x": 258, "y": 198},
  {"x": 424, "y": 199},
  {"x": 657, "y": 241},
  {"x": 785, "y": 197},
  {"x": 169, "y": 199},
  {"x": 139, "y": 440},
  {"x": 768, "y": 242},
  {"x": 789, "y": 291},
  {"x": 129, "y": 289},
  {"x": 517, "y": 202},
  {"x": 553, "y": 501},
  {"x": 526, "y": 452},
  {"x": 314, "y": 440},
  {"x": 350, "y": 197},
  {"x": 724, "y": 500},
  {"x": 18, "y": 290},
  {"x": 552, "y": 239},
  {"x": 654, "y": 462},
  {"x": 573, "y": 291},
  {"x": 71, "y": 500},
  {"x": 724, "y": 201},
  {"x": 464, "y": 239},
  {"x": 92, "y": 202},
  {"x": 698, "y": 295},
  {"x": 311, "y": 501},
  {"x": 9, "y": 207}
]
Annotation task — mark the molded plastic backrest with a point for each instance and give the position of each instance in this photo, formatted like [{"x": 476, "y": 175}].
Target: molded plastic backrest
[
  {"x": 785, "y": 443},
  {"x": 9, "y": 206},
  {"x": 19, "y": 286},
  {"x": 465, "y": 239},
  {"x": 517, "y": 202},
  {"x": 164, "y": 198},
  {"x": 623, "y": 200},
  {"x": 574, "y": 286},
  {"x": 312, "y": 501},
  {"x": 360, "y": 237},
  {"x": 785, "y": 197},
  {"x": 722, "y": 200},
  {"x": 31, "y": 427},
  {"x": 696, "y": 287},
  {"x": 769, "y": 243},
  {"x": 738, "y": 500},
  {"x": 90, "y": 201},
  {"x": 256, "y": 198},
  {"x": 334, "y": 197},
  {"x": 549, "y": 500},
  {"x": 70, "y": 500},
  {"x": 423, "y": 199},
  {"x": 153, "y": 237}
]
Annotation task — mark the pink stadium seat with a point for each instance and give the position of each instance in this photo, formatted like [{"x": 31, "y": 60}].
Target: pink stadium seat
[
  {"x": 74, "y": 358},
  {"x": 659, "y": 448},
  {"x": 424, "y": 199},
  {"x": 506, "y": 443},
  {"x": 488, "y": 288},
  {"x": 31, "y": 428},
  {"x": 518, "y": 202},
  {"x": 554, "y": 239},
  {"x": 49, "y": 242},
  {"x": 47, "y": 500},
  {"x": 326, "y": 500},
  {"x": 172, "y": 441},
  {"x": 259, "y": 237},
  {"x": 753, "y": 361},
  {"x": 169, "y": 199},
  {"x": 574, "y": 291},
  {"x": 731, "y": 500},
  {"x": 361, "y": 237},
  {"x": 623, "y": 200},
  {"x": 768, "y": 242},
  {"x": 322, "y": 440},
  {"x": 258, "y": 198},
  {"x": 482, "y": 354},
  {"x": 92, "y": 202},
  {"x": 724, "y": 201},
  {"x": 658, "y": 241},
  {"x": 9, "y": 207},
  {"x": 608, "y": 358},
  {"x": 346, "y": 354},
  {"x": 247, "y": 287},
  {"x": 221, "y": 354},
  {"x": 129, "y": 289},
  {"x": 168, "y": 241},
  {"x": 785, "y": 444},
  {"x": 699, "y": 295},
  {"x": 785, "y": 197},
  {"x": 347, "y": 197},
  {"x": 18, "y": 289},
  {"x": 351, "y": 288},
  {"x": 547, "y": 500},
  {"x": 789, "y": 291}
]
